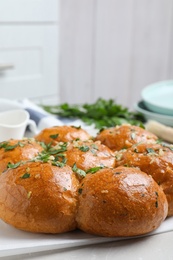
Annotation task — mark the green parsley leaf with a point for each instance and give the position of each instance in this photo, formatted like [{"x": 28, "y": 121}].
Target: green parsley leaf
[
  {"x": 150, "y": 150},
  {"x": 3, "y": 144},
  {"x": 117, "y": 173},
  {"x": 78, "y": 171},
  {"x": 13, "y": 165},
  {"x": 10, "y": 147},
  {"x": 84, "y": 148},
  {"x": 102, "y": 113},
  {"x": 54, "y": 136},
  {"x": 94, "y": 169},
  {"x": 25, "y": 175},
  {"x": 80, "y": 191},
  {"x": 57, "y": 163}
]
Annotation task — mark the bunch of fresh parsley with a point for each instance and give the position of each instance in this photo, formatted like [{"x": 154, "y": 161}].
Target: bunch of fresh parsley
[{"x": 102, "y": 113}]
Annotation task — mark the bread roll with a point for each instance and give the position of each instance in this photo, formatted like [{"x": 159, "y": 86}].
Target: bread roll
[
  {"x": 39, "y": 197},
  {"x": 71, "y": 182},
  {"x": 154, "y": 159},
  {"x": 14, "y": 151},
  {"x": 62, "y": 134},
  {"x": 120, "y": 202},
  {"x": 124, "y": 136},
  {"x": 89, "y": 154}
]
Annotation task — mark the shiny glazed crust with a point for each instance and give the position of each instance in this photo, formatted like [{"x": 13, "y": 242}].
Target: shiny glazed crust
[
  {"x": 124, "y": 136},
  {"x": 14, "y": 151},
  {"x": 120, "y": 202},
  {"x": 154, "y": 159},
  {"x": 62, "y": 134},
  {"x": 74, "y": 183},
  {"x": 89, "y": 154},
  {"x": 39, "y": 197}
]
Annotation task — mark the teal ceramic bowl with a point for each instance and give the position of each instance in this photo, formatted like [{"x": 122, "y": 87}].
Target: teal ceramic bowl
[
  {"x": 158, "y": 97},
  {"x": 148, "y": 115}
]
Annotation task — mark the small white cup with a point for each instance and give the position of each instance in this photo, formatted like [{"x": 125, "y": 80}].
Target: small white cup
[{"x": 13, "y": 124}]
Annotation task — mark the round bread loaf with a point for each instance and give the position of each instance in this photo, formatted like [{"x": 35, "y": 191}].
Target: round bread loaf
[
  {"x": 71, "y": 182},
  {"x": 39, "y": 197},
  {"x": 89, "y": 154},
  {"x": 124, "y": 136},
  {"x": 154, "y": 159},
  {"x": 120, "y": 202},
  {"x": 62, "y": 134},
  {"x": 14, "y": 151}
]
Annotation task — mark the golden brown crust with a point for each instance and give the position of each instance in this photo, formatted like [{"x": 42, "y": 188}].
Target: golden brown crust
[
  {"x": 120, "y": 202},
  {"x": 154, "y": 159},
  {"x": 14, "y": 151},
  {"x": 62, "y": 134},
  {"x": 43, "y": 201},
  {"x": 89, "y": 154},
  {"x": 124, "y": 136},
  {"x": 47, "y": 191}
]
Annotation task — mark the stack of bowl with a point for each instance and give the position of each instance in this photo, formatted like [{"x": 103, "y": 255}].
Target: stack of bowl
[{"x": 157, "y": 102}]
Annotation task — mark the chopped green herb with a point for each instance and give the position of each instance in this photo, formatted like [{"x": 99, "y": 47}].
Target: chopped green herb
[
  {"x": 150, "y": 150},
  {"x": 78, "y": 171},
  {"x": 8, "y": 147},
  {"x": 25, "y": 175},
  {"x": 47, "y": 146},
  {"x": 52, "y": 154},
  {"x": 80, "y": 191},
  {"x": 170, "y": 146},
  {"x": 94, "y": 169},
  {"x": 84, "y": 148},
  {"x": 59, "y": 164},
  {"x": 43, "y": 145},
  {"x": 156, "y": 204},
  {"x": 3, "y": 144},
  {"x": 54, "y": 136},
  {"x": 21, "y": 144},
  {"x": 61, "y": 158},
  {"x": 102, "y": 129},
  {"x": 159, "y": 141},
  {"x": 13, "y": 165},
  {"x": 43, "y": 157},
  {"x": 94, "y": 146},
  {"x": 117, "y": 172},
  {"x": 94, "y": 151},
  {"x": 53, "y": 150}
]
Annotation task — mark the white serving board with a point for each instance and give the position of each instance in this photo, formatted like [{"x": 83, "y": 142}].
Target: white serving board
[{"x": 16, "y": 242}]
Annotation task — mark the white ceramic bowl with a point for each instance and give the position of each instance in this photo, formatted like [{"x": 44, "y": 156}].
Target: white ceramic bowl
[
  {"x": 148, "y": 115},
  {"x": 158, "y": 97}
]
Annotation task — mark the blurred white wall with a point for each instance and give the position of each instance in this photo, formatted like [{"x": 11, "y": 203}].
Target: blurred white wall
[
  {"x": 79, "y": 50},
  {"x": 114, "y": 48}
]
